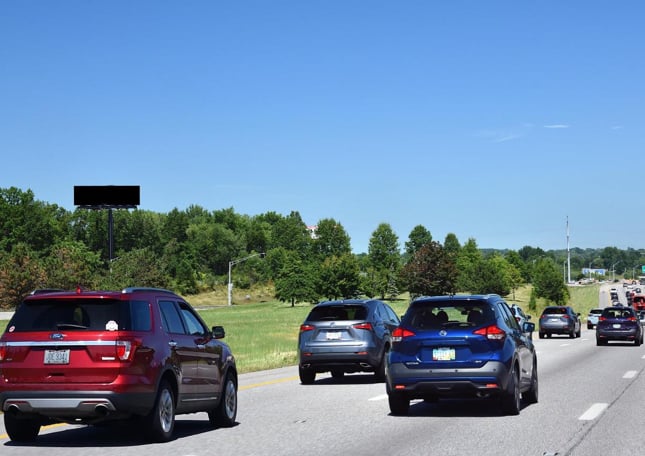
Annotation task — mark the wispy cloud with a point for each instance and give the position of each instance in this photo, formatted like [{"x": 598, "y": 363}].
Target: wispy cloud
[
  {"x": 505, "y": 134},
  {"x": 506, "y": 138},
  {"x": 557, "y": 126},
  {"x": 617, "y": 127}
]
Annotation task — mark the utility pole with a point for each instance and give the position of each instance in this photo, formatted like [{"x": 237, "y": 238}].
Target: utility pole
[
  {"x": 568, "y": 254},
  {"x": 230, "y": 265}
]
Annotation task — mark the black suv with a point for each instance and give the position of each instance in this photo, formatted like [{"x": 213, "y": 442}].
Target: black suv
[
  {"x": 90, "y": 357},
  {"x": 461, "y": 346}
]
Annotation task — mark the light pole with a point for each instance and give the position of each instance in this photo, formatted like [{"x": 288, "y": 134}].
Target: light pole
[
  {"x": 230, "y": 265},
  {"x": 613, "y": 270}
]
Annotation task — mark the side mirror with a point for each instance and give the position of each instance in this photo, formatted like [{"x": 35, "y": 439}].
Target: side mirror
[
  {"x": 528, "y": 327},
  {"x": 528, "y": 317},
  {"x": 218, "y": 332}
]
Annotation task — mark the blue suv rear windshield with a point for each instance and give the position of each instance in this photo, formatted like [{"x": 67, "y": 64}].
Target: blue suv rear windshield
[{"x": 444, "y": 314}]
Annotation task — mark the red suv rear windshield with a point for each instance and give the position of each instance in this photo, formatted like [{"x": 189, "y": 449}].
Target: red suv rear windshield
[{"x": 81, "y": 314}]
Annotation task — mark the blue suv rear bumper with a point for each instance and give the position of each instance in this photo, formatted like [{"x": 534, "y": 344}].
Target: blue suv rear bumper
[{"x": 491, "y": 378}]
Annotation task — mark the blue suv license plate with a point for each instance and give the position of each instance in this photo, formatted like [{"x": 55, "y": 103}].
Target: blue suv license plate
[{"x": 443, "y": 354}]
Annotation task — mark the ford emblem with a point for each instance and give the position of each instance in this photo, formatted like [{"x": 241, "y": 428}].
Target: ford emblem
[
  {"x": 57, "y": 336},
  {"x": 443, "y": 332}
]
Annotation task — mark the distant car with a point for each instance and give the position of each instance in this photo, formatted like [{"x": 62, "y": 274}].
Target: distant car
[
  {"x": 592, "y": 318},
  {"x": 345, "y": 336},
  {"x": 559, "y": 320},
  {"x": 519, "y": 314},
  {"x": 619, "y": 323},
  {"x": 638, "y": 301},
  {"x": 461, "y": 346}
]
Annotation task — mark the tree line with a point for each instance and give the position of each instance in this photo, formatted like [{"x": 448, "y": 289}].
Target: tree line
[{"x": 45, "y": 246}]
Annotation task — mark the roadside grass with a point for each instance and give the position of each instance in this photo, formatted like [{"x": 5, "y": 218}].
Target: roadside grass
[{"x": 264, "y": 335}]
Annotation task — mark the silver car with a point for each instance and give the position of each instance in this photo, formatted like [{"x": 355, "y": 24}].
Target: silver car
[
  {"x": 592, "y": 318},
  {"x": 519, "y": 315},
  {"x": 345, "y": 336}
]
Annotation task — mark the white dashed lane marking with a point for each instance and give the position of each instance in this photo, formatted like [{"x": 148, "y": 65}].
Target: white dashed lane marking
[
  {"x": 630, "y": 374},
  {"x": 593, "y": 412}
]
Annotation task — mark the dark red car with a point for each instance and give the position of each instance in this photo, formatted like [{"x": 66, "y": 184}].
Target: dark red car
[{"x": 140, "y": 354}]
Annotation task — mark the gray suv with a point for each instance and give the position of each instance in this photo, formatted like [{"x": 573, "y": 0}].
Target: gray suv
[{"x": 345, "y": 336}]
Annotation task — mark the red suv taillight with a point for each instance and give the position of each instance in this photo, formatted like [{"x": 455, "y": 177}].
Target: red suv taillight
[
  {"x": 492, "y": 332},
  {"x": 3, "y": 351},
  {"x": 401, "y": 333},
  {"x": 123, "y": 350}
]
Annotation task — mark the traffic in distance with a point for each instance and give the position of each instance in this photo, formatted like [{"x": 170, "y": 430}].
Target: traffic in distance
[{"x": 443, "y": 348}]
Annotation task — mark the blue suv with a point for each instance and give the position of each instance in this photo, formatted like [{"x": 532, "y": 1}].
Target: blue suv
[{"x": 461, "y": 346}]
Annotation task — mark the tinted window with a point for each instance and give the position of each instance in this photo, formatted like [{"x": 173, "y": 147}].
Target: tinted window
[
  {"x": 391, "y": 315},
  {"x": 171, "y": 319},
  {"x": 436, "y": 315},
  {"x": 140, "y": 314},
  {"x": 508, "y": 316},
  {"x": 618, "y": 312},
  {"x": 71, "y": 314},
  {"x": 193, "y": 324},
  {"x": 345, "y": 312},
  {"x": 555, "y": 310}
]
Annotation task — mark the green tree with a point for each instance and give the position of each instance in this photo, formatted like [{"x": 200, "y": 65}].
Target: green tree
[
  {"x": 469, "y": 267},
  {"x": 295, "y": 282},
  {"x": 213, "y": 245},
  {"x": 520, "y": 266},
  {"x": 291, "y": 233},
  {"x": 515, "y": 279},
  {"x": 548, "y": 283},
  {"x": 136, "y": 268},
  {"x": 385, "y": 258},
  {"x": 71, "y": 264},
  {"x": 24, "y": 220},
  {"x": 21, "y": 271},
  {"x": 339, "y": 277},
  {"x": 180, "y": 267},
  {"x": 431, "y": 271},
  {"x": 419, "y": 236},
  {"x": 451, "y": 244},
  {"x": 493, "y": 276},
  {"x": 331, "y": 240}
]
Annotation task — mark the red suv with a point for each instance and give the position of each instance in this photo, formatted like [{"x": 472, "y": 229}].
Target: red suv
[{"x": 141, "y": 354}]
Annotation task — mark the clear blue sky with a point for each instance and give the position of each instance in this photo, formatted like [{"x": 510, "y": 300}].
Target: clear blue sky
[{"x": 493, "y": 120}]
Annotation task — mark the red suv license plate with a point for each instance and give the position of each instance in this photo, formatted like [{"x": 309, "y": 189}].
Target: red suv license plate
[
  {"x": 57, "y": 356},
  {"x": 443, "y": 354}
]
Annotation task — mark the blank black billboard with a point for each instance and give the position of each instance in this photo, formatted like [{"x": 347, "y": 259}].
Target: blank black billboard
[{"x": 106, "y": 195}]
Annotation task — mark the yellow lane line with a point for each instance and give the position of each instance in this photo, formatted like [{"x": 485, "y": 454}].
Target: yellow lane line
[
  {"x": 269, "y": 382},
  {"x": 241, "y": 388}
]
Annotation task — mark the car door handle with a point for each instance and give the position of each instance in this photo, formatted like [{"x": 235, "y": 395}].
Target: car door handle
[{"x": 172, "y": 344}]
